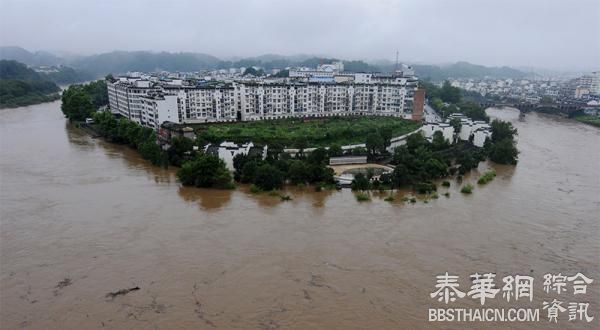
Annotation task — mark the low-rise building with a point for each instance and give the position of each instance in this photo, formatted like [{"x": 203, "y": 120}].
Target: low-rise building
[
  {"x": 475, "y": 131},
  {"x": 228, "y": 150}
]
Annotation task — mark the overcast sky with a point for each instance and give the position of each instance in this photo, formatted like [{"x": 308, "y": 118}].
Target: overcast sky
[{"x": 559, "y": 34}]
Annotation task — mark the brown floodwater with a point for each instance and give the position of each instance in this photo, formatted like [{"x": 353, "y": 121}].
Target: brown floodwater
[{"x": 81, "y": 218}]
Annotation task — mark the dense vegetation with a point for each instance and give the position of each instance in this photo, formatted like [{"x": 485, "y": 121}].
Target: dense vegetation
[
  {"x": 124, "y": 131},
  {"x": 303, "y": 133},
  {"x": 206, "y": 171},
  {"x": 21, "y": 86},
  {"x": 253, "y": 72},
  {"x": 584, "y": 118},
  {"x": 197, "y": 169},
  {"x": 589, "y": 119},
  {"x": 81, "y": 101},
  {"x": 278, "y": 168},
  {"x": 447, "y": 100},
  {"x": 419, "y": 162},
  {"x": 502, "y": 147}
]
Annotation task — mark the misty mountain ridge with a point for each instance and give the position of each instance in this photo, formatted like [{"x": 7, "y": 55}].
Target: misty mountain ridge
[
  {"x": 147, "y": 61},
  {"x": 30, "y": 58}
]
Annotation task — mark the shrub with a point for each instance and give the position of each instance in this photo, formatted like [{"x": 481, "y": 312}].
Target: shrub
[
  {"x": 447, "y": 194},
  {"x": 390, "y": 198},
  {"x": 425, "y": 187},
  {"x": 467, "y": 189},
  {"x": 487, "y": 177},
  {"x": 254, "y": 189},
  {"x": 446, "y": 183},
  {"x": 362, "y": 197},
  {"x": 285, "y": 198}
]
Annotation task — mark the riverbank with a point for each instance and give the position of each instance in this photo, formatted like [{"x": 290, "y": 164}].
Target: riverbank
[
  {"x": 28, "y": 100},
  {"x": 588, "y": 119},
  {"x": 577, "y": 116}
]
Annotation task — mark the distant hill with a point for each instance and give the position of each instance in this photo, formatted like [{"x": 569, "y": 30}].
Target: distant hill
[
  {"x": 465, "y": 70},
  {"x": 64, "y": 75},
  {"x": 121, "y": 62},
  {"x": 20, "y": 85},
  {"x": 30, "y": 58}
]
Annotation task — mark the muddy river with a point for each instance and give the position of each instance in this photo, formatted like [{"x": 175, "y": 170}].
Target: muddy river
[{"x": 81, "y": 218}]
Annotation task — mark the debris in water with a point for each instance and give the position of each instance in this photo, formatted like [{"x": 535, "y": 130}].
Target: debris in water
[
  {"x": 64, "y": 283},
  {"x": 121, "y": 292}
]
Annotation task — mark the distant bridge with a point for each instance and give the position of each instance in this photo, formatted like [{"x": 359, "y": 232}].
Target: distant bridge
[{"x": 565, "y": 108}]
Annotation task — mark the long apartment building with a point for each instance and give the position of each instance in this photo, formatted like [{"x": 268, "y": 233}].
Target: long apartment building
[{"x": 150, "y": 104}]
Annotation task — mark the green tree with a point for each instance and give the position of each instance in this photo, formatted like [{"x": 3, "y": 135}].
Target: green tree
[
  {"x": 205, "y": 171},
  {"x": 474, "y": 111},
  {"x": 298, "y": 172},
  {"x": 437, "y": 104},
  {"x": 456, "y": 124},
  {"x": 374, "y": 143},
  {"x": 415, "y": 141},
  {"x": 179, "y": 150},
  {"x": 318, "y": 156},
  {"x": 268, "y": 177},
  {"x": 438, "y": 142},
  {"x": 335, "y": 151},
  {"x": 360, "y": 182},
  {"x": 450, "y": 94},
  {"x": 320, "y": 173},
  {"x": 387, "y": 135},
  {"x": 76, "y": 104},
  {"x": 467, "y": 162},
  {"x": 504, "y": 152},
  {"x": 248, "y": 172},
  {"x": 401, "y": 176},
  {"x": 254, "y": 72},
  {"x": 151, "y": 151},
  {"x": 502, "y": 130}
]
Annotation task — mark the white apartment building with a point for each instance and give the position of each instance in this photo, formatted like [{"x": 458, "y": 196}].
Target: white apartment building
[
  {"x": 157, "y": 109},
  {"x": 150, "y": 104},
  {"x": 595, "y": 83},
  {"x": 124, "y": 96}
]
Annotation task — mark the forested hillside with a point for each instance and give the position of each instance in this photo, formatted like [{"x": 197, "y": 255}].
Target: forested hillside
[{"x": 21, "y": 86}]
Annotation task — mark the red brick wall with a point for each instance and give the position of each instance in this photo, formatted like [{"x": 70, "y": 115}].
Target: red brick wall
[{"x": 418, "y": 105}]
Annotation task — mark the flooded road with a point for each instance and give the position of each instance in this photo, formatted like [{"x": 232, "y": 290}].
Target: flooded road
[{"x": 81, "y": 218}]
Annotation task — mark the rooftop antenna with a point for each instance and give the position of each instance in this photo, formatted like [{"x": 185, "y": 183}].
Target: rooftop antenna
[{"x": 396, "y": 60}]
